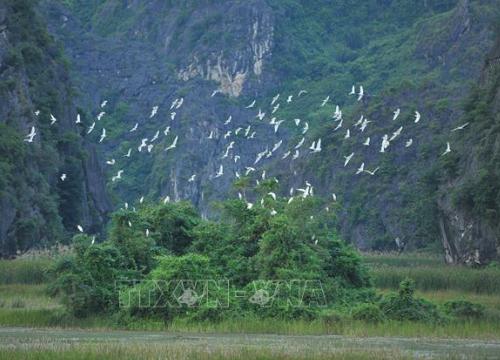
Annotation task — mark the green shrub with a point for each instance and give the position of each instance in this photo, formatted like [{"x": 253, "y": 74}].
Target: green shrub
[
  {"x": 368, "y": 312},
  {"x": 403, "y": 306},
  {"x": 407, "y": 289},
  {"x": 464, "y": 309},
  {"x": 179, "y": 286},
  {"x": 155, "y": 273},
  {"x": 87, "y": 279}
]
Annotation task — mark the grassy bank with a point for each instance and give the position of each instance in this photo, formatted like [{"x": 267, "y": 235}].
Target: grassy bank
[
  {"x": 25, "y": 304},
  {"x": 123, "y": 352},
  {"x": 40, "y": 313}
]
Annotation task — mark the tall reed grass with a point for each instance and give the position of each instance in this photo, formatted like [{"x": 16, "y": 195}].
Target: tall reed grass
[
  {"x": 49, "y": 318},
  {"x": 478, "y": 281},
  {"x": 431, "y": 273},
  {"x": 24, "y": 271}
]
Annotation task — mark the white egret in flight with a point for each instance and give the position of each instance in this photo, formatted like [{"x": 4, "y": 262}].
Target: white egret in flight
[
  {"x": 347, "y": 159},
  {"x": 361, "y": 93},
  {"x": 301, "y": 142},
  {"x": 143, "y": 144},
  {"x": 461, "y": 127},
  {"x": 275, "y": 98},
  {"x": 385, "y": 143},
  {"x": 396, "y": 114},
  {"x": 31, "y": 135},
  {"x": 325, "y": 100},
  {"x": 154, "y": 111},
  {"x": 417, "y": 117},
  {"x": 103, "y": 135},
  {"x": 251, "y": 105},
  {"x": 372, "y": 172},
  {"x": 117, "y": 176},
  {"x": 220, "y": 172},
  {"x": 100, "y": 115},
  {"x": 448, "y": 149},
  {"x": 173, "y": 145},
  {"x": 306, "y": 127}
]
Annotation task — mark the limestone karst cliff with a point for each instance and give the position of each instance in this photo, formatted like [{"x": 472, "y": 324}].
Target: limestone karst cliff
[
  {"x": 221, "y": 55},
  {"x": 37, "y": 208},
  {"x": 469, "y": 201}
]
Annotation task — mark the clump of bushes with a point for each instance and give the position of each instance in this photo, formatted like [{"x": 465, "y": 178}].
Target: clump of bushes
[
  {"x": 464, "y": 309},
  {"x": 404, "y": 306},
  {"x": 368, "y": 312},
  {"x": 247, "y": 246},
  {"x": 186, "y": 267}
]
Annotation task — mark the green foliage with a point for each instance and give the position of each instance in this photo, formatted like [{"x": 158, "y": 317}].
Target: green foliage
[
  {"x": 160, "y": 244},
  {"x": 284, "y": 253},
  {"x": 347, "y": 265},
  {"x": 24, "y": 271},
  {"x": 406, "y": 289},
  {"x": 11, "y": 150},
  {"x": 404, "y": 306},
  {"x": 87, "y": 279},
  {"x": 173, "y": 224},
  {"x": 477, "y": 191},
  {"x": 127, "y": 233},
  {"x": 464, "y": 309},
  {"x": 368, "y": 312},
  {"x": 179, "y": 286},
  {"x": 34, "y": 77},
  {"x": 431, "y": 273}
]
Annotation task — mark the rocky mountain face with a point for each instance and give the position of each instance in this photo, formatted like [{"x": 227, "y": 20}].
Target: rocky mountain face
[
  {"x": 220, "y": 56},
  {"x": 37, "y": 208},
  {"x": 156, "y": 59},
  {"x": 469, "y": 201}
]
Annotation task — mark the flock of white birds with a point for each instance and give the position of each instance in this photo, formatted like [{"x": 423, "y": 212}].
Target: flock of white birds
[{"x": 232, "y": 135}]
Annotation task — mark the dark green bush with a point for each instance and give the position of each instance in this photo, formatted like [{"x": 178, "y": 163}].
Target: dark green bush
[
  {"x": 404, "y": 306},
  {"x": 464, "y": 309},
  {"x": 249, "y": 250},
  {"x": 368, "y": 312},
  {"x": 184, "y": 286},
  {"x": 87, "y": 279}
]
